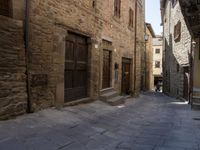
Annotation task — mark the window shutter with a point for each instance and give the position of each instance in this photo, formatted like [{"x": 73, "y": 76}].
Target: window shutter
[
  {"x": 5, "y": 7},
  {"x": 119, "y": 8},
  {"x": 177, "y": 31},
  {"x": 115, "y": 7},
  {"x": 130, "y": 17}
]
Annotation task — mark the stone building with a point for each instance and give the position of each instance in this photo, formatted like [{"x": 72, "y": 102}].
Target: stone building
[
  {"x": 176, "y": 50},
  {"x": 157, "y": 59},
  {"x": 13, "y": 79},
  {"x": 60, "y": 52},
  {"x": 147, "y": 59},
  {"x": 190, "y": 10}
]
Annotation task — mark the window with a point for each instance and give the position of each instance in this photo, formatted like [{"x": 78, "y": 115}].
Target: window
[
  {"x": 117, "y": 8},
  {"x": 157, "y": 51},
  {"x": 5, "y": 8},
  {"x": 174, "y": 2},
  {"x": 177, "y": 31},
  {"x": 165, "y": 19},
  {"x": 131, "y": 18},
  {"x": 199, "y": 49},
  {"x": 94, "y": 3},
  {"x": 157, "y": 64}
]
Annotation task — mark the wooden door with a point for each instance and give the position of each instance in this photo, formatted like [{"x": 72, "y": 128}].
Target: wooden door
[
  {"x": 106, "y": 68},
  {"x": 186, "y": 83},
  {"x": 126, "y": 75},
  {"x": 76, "y": 67}
]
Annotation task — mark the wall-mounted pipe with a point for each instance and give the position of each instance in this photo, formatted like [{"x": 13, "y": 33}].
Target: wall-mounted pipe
[
  {"x": 135, "y": 47},
  {"x": 27, "y": 51}
]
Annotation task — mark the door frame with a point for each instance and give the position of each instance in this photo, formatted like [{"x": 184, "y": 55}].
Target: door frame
[
  {"x": 106, "y": 45},
  {"x": 128, "y": 61},
  {"x": 110, "y": 68},
  {"x": 88, "y": 70}
]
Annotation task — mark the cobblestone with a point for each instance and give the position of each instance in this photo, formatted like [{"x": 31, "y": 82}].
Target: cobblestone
[{"x": 151, "y": 122}]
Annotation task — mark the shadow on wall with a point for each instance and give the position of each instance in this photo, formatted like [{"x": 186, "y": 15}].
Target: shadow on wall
[{"x": 175, "y": 76}]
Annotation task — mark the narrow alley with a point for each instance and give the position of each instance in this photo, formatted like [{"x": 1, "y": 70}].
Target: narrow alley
[
  {"x": 99, "y": 75},
  {"x": 151, "y": 122}
]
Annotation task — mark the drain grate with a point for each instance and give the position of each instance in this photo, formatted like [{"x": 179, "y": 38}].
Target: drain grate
[{"x": 197, "y": 119}]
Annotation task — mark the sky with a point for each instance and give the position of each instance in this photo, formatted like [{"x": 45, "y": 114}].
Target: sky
[{"x": 153, "y": 15}]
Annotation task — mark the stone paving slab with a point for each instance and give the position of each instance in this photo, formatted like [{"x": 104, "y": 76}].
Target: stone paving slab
[{"x": 151, "y": 122}]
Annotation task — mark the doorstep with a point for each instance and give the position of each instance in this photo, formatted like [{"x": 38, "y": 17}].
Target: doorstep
[{"x": 79, "y": 101}]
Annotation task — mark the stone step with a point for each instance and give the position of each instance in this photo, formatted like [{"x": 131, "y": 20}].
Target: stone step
[
  {"x": 118, "y": 100},
  {"x": 196, "y": 97},
  {"x": 196, "y": 100},
  {"x": 108, "y": 95},
  {"x": 196, "y": 94},
  {"x": 196, "y": 90},
  {"x": 104, "y": 91},
  {"x": 111, "y": 97}
]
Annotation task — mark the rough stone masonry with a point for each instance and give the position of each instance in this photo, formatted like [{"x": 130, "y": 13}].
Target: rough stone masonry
[{"x": 51, "y": 23}]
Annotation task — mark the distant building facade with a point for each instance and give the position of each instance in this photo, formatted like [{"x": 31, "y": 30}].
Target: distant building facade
[
  {"x": 157, "y": 60},
  {"x": 72, "y": 50}
]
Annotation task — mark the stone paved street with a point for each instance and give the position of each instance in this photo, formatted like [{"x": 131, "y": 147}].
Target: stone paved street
[{"x": 151, "y": 122}]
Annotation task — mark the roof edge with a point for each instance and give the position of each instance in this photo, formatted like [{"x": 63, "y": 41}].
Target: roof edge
[{"x": 149, "y": 26}]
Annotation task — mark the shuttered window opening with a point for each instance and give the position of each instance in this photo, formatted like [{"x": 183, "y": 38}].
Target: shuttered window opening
[
  {"x": 117, "y": 8},
  {"x": 131, "y": 13},
  {"x": 157, "y": 64},
  {"x": 157, "y": 51},
  {"x": 174, "y": 2},
  {"x": 177, "y": 31},
  {"x": 5, "y": 8}
]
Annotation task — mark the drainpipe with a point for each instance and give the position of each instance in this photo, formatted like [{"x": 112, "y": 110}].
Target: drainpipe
[
  {"x": 135, "y": 52},
  {"x": 27, "y": 52},
  {"x": 145, "y": 61},
  {"x": 193, "y": 44}
]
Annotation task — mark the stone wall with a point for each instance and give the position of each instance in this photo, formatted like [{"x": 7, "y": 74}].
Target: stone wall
[
  {"x": 50, "y": 23},
  {"x": 176, "y": 53},
  {"x": 97, "y": 23},
  {"x": 196, "y": 74},
  {"x": 147, "y": 58},
  {"x": 140, "y": 43},
  {"x": 13, "y": 94}
]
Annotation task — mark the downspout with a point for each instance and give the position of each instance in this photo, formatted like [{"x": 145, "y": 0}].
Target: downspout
[
  {"x": 145, "y": 63},
  {"x": 27, "y": 52},
  {"x": 171, "y": 50},
  {"x": 145, "y": 54},
  {"x": 191, "y": 71},
  {"x": 135, "y": 52}
]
